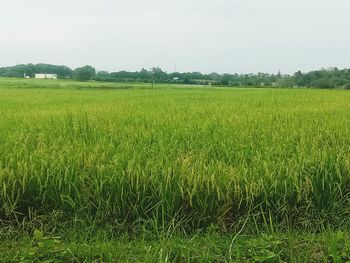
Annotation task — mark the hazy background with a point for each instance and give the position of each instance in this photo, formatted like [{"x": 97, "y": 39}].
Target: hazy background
[{"x": 199, "y": 35}]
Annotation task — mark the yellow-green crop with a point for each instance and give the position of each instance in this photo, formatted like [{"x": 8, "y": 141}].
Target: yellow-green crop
[{"x": 188, "y": 156}]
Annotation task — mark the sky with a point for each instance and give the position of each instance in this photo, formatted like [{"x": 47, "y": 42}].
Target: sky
[{"x": 225, "y": 36}]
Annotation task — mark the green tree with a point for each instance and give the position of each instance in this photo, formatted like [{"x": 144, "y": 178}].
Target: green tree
[{"x": 84, "y": 73}]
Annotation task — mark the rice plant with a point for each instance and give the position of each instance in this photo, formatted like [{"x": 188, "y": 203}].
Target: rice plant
[{"x": 181, "y": 158}]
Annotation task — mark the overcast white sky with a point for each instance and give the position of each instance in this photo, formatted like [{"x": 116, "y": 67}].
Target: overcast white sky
[{"x": 199, "y": 35}]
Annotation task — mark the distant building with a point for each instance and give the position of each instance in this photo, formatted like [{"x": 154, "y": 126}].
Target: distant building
[{"x": 45, "y": 76}]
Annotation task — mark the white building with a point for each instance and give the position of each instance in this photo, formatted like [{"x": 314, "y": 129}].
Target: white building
[{"x": 45, "y": 76}]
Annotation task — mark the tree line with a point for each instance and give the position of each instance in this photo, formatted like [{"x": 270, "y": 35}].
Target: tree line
[{"x": 323, "y": 78}]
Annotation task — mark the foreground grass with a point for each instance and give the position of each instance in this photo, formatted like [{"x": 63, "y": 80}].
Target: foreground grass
[{"x": 210, "y": 247}]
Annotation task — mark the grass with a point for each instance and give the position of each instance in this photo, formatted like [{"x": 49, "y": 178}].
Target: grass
[
  {"x": 328, "y": 247},
  {"x": 173, "y": 161}
]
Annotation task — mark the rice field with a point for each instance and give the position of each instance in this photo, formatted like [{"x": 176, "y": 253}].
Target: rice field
[{"x": 184, "y": 158}]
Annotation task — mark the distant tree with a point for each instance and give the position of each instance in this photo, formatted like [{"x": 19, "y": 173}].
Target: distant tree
[
  {"x": 226, "y": 79},
  {"x": 324, "y": 78},
  {"x": 102, "y": 74},
  {"x": 159, "y": 75},
  {"x": 145, "y": 75},
  {"x": 347, "y": 85},
  {"x": 61, "y": 71},
  {"x": 84, "y": 73},
  {"x": 30, "y": 70}
]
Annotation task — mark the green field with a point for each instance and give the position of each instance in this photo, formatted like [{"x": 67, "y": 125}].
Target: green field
[{"x": 173, "y": 173}]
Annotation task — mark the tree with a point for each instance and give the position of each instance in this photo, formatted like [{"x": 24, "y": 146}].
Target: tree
[
  {"x": 347, "y": 85},
  {"x": 159, "y": 75},
  {"x": 84, "y": 73}
]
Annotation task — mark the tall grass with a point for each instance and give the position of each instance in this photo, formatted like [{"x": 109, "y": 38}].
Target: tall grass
[{"x": 190, "y": 158}]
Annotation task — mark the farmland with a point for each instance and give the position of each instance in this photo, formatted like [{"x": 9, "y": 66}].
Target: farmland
[{"x": 91, "y": 162}]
